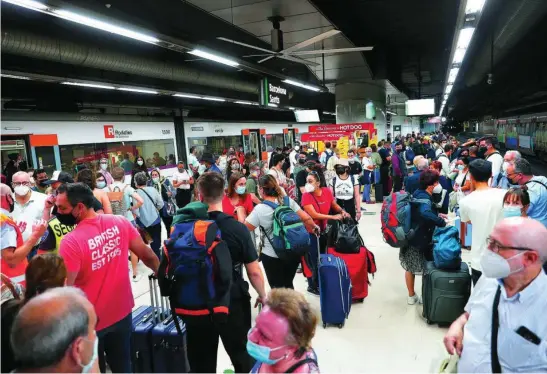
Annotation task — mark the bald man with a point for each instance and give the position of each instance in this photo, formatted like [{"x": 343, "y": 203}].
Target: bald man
[
  {"x": 14, "y": 249},
  {"x": 513, "y": 291},
  {"x": 55, "y": 333}
]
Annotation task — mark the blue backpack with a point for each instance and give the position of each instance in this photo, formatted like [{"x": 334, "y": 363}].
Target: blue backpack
[
  {"x": 290, "y": 238},
  {"x": 447, "y": 250},
  {"x": 409, "y": 154}
]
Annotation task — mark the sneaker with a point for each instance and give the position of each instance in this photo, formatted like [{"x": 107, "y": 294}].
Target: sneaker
[
  {"x": 411, "y": 300},
  {"x": 313, "y": 291},
  {"x": 137, "y": 277}
]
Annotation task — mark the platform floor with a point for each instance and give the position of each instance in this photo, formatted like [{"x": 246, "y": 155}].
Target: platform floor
[{"x": 383, "y": 334}]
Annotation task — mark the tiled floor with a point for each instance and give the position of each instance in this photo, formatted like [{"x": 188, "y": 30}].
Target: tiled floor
[{"x": 383, "y": 334}]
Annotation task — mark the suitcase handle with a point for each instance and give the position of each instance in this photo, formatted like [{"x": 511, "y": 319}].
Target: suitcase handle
[{"x": 160, "y": 304}]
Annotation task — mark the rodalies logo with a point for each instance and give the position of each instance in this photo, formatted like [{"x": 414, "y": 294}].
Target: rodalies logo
[{"x": 111, "y": 133}]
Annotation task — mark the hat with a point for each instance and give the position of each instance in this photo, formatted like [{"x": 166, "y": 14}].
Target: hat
[
  {"x": 59, "y": 176},
  {"x": 208, "y": 157},
  {"x": 342, "y": 161},
  {"x": 481, "y": 165}
]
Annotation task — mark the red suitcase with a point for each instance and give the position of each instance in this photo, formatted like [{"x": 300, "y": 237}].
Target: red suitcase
[{"x": 357, "y": 267}]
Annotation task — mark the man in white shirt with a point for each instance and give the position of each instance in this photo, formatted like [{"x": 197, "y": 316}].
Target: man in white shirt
[
  {"x": 487, "y": 146},
  {"x": 30, "y": 206},
  {"x": 444, "y": 159},
  {"x": 483, "y": 208},
  {"x": 193, "y": 162},
  {"x": 292, "y": 157},
  {"x": 504, "y": 327}
]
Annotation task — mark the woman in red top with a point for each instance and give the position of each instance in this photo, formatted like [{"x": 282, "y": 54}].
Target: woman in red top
[
  {"x": 318, "y": 202},
  {"x": 237, "y": 202}
]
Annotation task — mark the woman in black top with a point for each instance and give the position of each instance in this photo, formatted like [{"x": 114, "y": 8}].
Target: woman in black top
[{"x": 138, "y": 166}]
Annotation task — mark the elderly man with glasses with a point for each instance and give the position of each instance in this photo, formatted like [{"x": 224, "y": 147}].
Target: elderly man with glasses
[{"x": 504, "y": 327}]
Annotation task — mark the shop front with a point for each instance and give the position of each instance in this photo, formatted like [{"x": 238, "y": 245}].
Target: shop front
[{"x": 63, "y": 142}]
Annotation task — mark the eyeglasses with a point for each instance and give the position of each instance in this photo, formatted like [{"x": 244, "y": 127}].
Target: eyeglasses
[
  {"x": 495, "y": 246},
  {"x": 313, "y": 173},
  {"x": 16, "y": 184}
]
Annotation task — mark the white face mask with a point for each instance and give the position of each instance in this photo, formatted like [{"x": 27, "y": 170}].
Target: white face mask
[
  {"x": 309, "y": 187},
  {"x": 495, "y": 266},
  {"x": 140, "y": 162},
  {"x": 21, "y": 190},
  {"x": 297, "y": 148},
  {"x": 104, "y": 166},
  {"x": 87, "y": 367},
  {"x": 505, "y": 166},
  {"x": 438, "y": 188}
]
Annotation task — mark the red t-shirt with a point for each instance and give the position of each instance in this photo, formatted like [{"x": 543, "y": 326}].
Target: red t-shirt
[
  {"x": 322, "y": 204},
  {"x": 228, "y": 207},
  {"x": 97, "y": 250}
]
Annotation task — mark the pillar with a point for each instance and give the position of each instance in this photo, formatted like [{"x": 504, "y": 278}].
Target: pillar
[{"x": 352, "y": 98}]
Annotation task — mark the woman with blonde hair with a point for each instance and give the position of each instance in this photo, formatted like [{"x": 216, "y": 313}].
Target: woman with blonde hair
[{"x": 281, "y": 339}]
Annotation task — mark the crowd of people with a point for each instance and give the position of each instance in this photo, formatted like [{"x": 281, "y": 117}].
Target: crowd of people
[{"x": 79, "y": 230}]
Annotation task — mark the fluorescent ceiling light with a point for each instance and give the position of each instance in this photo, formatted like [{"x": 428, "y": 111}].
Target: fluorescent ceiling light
[
  {"x": 213, "y": 57},
  {"x": 272, "y": 105},
  {"x": 474, "y": 6},
  {"x": 445, "y": 96},
  {"x": 453, "y": 74},
  {"x": 29, "y": 4},
  {"x": 391, "y": 112},
  {"x": 188, "y": 96},
  {"x": 213, "y": 99},
  {"x": 459, "y": 55},
  {"x": 298, "y": 84},
  {"x": 448, "y": 89},
  {"x": 292, "y": 108},
  {"x": 15, "y": 77},
  {"x": 89, "y": 85},
  {"x": 465, "y": 37},
  {"x": 139, "y": 90},
  {"x": 244, "y": 102},
  {"x": 105, "y": 26}
]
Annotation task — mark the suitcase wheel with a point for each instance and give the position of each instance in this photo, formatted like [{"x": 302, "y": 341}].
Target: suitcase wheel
[
  {"x": 324, "y": 325},
  {"x": 360, "y": 301},
  {"x": 429, "y": 322},
  {"x": 340, "y": 325}
]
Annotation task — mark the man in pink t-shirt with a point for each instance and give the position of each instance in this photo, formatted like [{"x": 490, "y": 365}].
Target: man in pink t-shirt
[{"x": 95, "y": 255}]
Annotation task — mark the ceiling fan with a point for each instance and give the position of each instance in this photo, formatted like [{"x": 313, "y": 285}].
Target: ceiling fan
[{"x": 293, "y": 52}]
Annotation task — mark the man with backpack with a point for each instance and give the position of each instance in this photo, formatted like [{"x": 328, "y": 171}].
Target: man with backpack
[
  {"x": 326, "y": 155},
  {"x": 230, "y": 322}
]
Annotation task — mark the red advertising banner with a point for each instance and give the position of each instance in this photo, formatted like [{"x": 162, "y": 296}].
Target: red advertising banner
[
  {"x": 323, "y": 136},
  {"x": 366, "y": 126}
]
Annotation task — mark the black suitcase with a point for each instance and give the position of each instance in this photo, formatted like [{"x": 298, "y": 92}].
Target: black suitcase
[
  {"x": 379, "y": 192},
  {"x": 445, "y": 293}
]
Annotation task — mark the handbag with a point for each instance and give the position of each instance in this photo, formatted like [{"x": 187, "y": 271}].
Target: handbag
[
  {"x": 169, "y": 208},
  {"x": 450, "y": 364},
  {"x": 347, "y": 236}
]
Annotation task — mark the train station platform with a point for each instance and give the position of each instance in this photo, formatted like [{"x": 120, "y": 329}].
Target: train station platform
[{"x": 383, "y": 334}]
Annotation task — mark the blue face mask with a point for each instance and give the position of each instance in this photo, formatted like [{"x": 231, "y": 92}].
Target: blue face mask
[
  {"x": 101, "y": 185},
  {"x": 87, "y": 368},
  {"x": 262, "y": 353},
  {"x": 461, "y": 167},
  {"x": 241, "y": 190},
  {"x": 512, "y": 211}
]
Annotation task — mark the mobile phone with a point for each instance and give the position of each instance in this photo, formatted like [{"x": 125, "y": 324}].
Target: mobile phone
[{"x": 528, "y": 335}]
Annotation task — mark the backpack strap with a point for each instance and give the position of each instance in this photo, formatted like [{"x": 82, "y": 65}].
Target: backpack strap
[
  {"x": 333, "y": 190},
  {"x": 286, "y": 201},
  {"x": 270, "y": 204},
  {"x": 543, "y": 184},
  {"x": 305, "y": 361}
]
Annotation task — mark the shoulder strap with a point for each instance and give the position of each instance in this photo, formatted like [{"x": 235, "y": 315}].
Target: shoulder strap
[
  {"x": 543, "y": 184},
  {"x": 286, "y": 201},
  {"x": 270, "y": 204},
  {"x": 333, "y": 190},
  {"x": 300, "y": 363},
  {"x": 491, "y": 154},
  {"x": 496, "y": 367}
]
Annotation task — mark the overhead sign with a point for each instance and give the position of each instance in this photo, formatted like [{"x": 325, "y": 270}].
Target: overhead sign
[
  {"x": 323, "y": 136},
  {"x": 343, "y": 146},
  {"x": 273, "y": 91},
  {"x": 367, "y": 126},
  {"x": 397, "y": 128},
  {"x": 111, "y": 132}
]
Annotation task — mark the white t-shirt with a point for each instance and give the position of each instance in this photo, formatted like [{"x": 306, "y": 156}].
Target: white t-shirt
[
  {"x": 497, "y": 162},
  {"x": 179, "y": 177},
  {"x": 366, "y": 162},
  {"x": 262, "y": 216},
  {"x": 484, "y": 208},
  {"x": 344, "y": 189},
  {"x": 278, "y": 175},
  {"x": 292, "y": 159},
  {"x": 29, "y": 214},
  {"x": 193, "y": 160}
]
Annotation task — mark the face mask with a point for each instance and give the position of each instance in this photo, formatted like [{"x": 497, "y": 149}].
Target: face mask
[
  {"x": 254, "y": 174},
  {"x": 67, "y": 219},
  {"x": 309, "y": 187},
  {"x": 505, "y": 166},
  {"x": 369, "y": 153},
  {"x": 512, "y": 211},
  {"x": 262, "y": 353},
  {"x": 301, "y": 161},
  {"x": 495, "y": 266},
  {"x": 104, "y": 166},
  {"x": 181, "y": 170},
  {"x": 101, "y": 184},
  {"x": 235, "y": 166},
  {"x": 340, "y": 170},
  {"x": 21, "y": 190},
  {"x": 482, "y": 152},
  {"x": 241, "y": 190},
  {"x": 297, "y": 148},
  {"x": 140, "y": 162},
  {"x": 87, "y": 367},
  {"x": 156, "y": 180},
  {"x": 438, "y": 189},
  {"x": 461, "y": 167},
  {"x": 42, "y": 183}
]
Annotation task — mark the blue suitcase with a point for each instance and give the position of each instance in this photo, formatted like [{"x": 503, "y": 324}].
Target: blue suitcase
[
  {"x": 334, "y": 290},
  {"x": 169, "y": 347}
]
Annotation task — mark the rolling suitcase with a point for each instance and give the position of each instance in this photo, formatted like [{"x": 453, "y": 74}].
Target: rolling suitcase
[
  {"x": 169, "y": 347},
  {"x": 357, "y": 268},
  {"x": 334, "y": 290},
  {"x": 445, "y": 293},
  {"x": 378, "y": 192}
]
